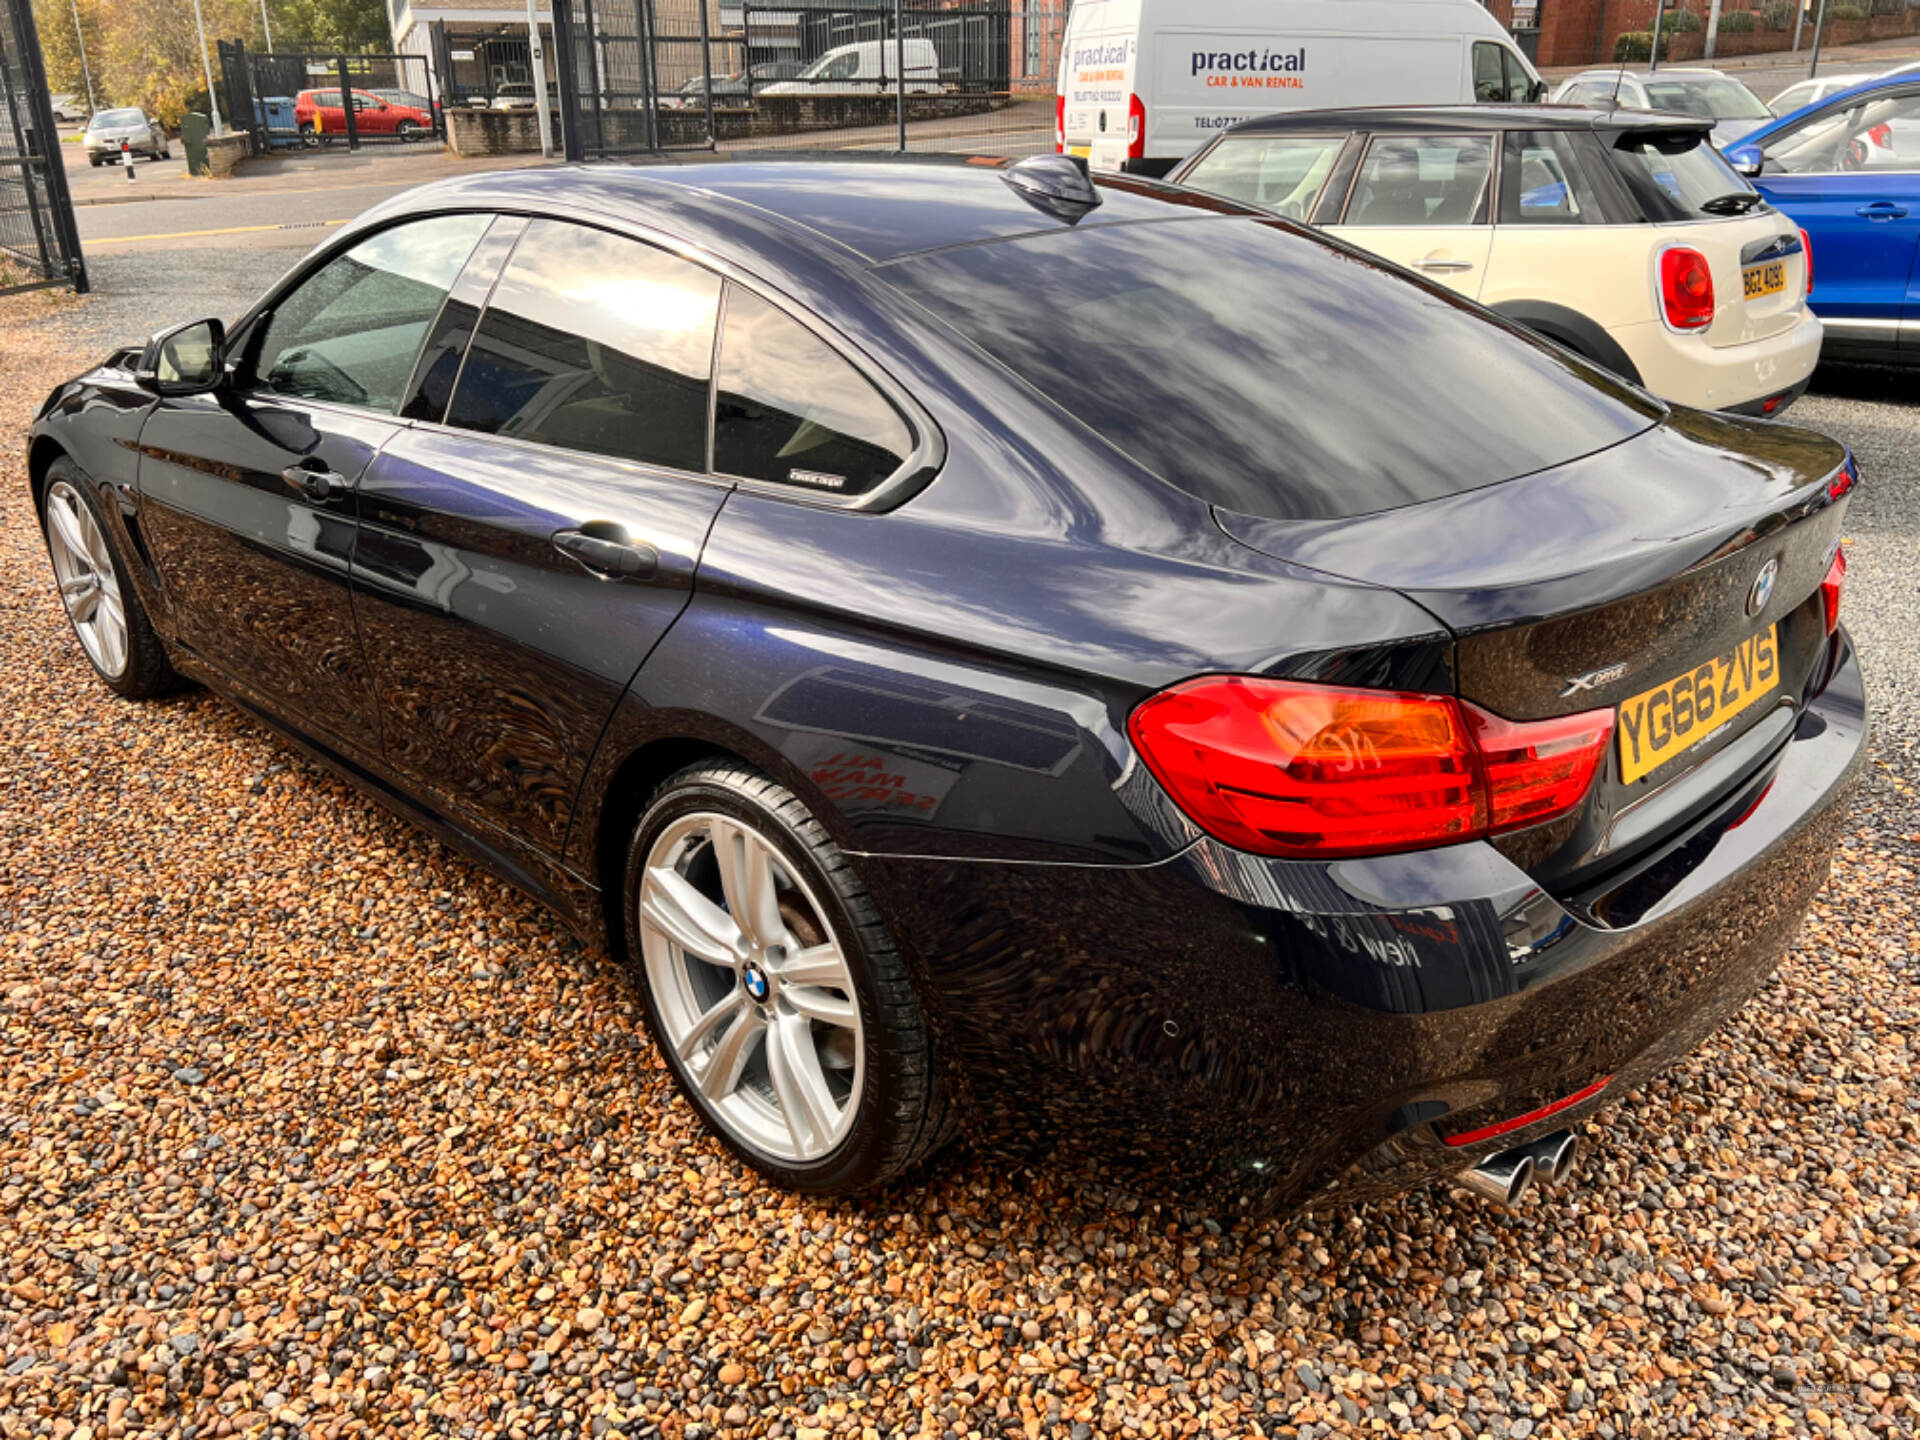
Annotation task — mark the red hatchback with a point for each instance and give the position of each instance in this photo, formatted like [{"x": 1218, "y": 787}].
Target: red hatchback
[{"x": 321, "y": 116}]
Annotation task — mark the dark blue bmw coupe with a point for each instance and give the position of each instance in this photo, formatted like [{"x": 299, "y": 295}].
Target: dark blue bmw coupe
[{"x": 1080, "y": 662}]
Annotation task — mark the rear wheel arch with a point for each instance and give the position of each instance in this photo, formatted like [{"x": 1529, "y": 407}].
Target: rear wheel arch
[{"x": 1578, "y": 333}]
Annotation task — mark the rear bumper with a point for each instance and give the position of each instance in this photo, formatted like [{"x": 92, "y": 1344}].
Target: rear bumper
[
  {"x": 1688, "y": 371},
  {"x": 1229, "y": 1026}
]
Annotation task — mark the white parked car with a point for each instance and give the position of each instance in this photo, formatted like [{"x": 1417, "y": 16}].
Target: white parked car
[
  {"x": 1621, "y": 235},
  {"x": 871, "y": 67},
  {"x": 1145, "y": 83},
  {"x": 67, "y": 108},
  {"x": 130, "y": 131},
  {"x": 1725, "y": 103},
  {"x": 1810, "y": 92}
]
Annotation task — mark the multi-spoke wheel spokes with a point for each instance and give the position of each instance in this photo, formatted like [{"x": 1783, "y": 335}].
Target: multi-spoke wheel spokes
[
  {"x": 88, "y": 585},
  {"x": 752, "y": 988}
]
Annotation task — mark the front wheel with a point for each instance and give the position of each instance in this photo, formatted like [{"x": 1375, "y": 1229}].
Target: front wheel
[
  {"x": 102, "y": 606},
  {"x": 407, "y": 131},
  {"x": 773, "y": 988}
]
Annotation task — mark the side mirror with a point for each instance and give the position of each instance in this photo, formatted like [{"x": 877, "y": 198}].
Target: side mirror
[
  {"x": 189, "y": 359},
  {"x": 1747, "y": 160}
]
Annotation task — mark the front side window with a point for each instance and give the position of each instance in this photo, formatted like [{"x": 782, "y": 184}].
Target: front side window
[
  {"x": 1422, "y": 180},
  {"x": 1879, "y": 134},
  {"x": 595, "y": 342},
  {"x": 350, "y": 332},
  {"x": 1497, "y": 76},
  {"x": 1678, "y": 176},
  {"x": 792, "y": 410},
  {"x": 1281, "y": 172}
]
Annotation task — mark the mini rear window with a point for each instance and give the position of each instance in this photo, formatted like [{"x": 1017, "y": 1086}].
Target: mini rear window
[
  {"x": 1674, "y": 176},
  {"x": 1271, "y": 373}
]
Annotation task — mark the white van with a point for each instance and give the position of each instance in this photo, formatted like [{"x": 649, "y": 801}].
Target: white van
[
  {"x": 1145, "y": 83},
  {"x": 867, "y": 68}
]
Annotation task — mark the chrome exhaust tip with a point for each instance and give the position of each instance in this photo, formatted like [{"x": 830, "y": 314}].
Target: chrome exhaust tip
[
  {"x": 1555, "y": 1157},
  {"x": 1502, "y": 1179}
]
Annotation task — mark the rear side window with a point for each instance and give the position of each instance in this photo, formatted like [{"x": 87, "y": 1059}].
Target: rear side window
[
  {"x": 1422, "y": 180},
  {"x": 1268, "y": 372},
  {"x": 1676, "y": 176},
  {"x": 791, "y": 410},
  {"x": 1281, "y": 172},
  {"x": 1541, "y": 182},
  {"x": 598, "y": 343}
]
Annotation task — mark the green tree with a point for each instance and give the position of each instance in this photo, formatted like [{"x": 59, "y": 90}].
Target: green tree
[{"x": 330, "y": 24}]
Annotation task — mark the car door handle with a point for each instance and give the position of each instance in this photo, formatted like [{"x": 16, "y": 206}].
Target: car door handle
[
  {"x": 1882, "y": 210},
  {"x": 615, "y": 559},
  {"x": 1437, "y": 266},
  {"x": 315, "y": 483}
]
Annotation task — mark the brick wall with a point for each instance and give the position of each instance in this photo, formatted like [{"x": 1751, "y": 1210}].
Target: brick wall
[{"x": 1583, "y": 32}]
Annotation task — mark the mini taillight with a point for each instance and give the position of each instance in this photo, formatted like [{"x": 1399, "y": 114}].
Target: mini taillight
[
  {"x": 1831, "y": 587},
  {"x": 1314, "y": 772},
  {"x": 1059, "y": 124},
  {"x": 1136, "y": 128},
  {"x": 1686, "y": 288},
  {"x": 1806, "y": 251}
]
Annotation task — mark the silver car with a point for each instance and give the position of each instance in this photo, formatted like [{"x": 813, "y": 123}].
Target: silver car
[{"x": 109, "y": 130}]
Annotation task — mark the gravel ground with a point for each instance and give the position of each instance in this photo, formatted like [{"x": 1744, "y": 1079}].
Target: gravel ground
[{"x": 307, "y": 1126}]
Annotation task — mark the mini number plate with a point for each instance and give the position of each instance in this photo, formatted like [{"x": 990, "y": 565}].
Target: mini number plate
[
  {"x": 1673, "y": 718},
  {"x": 1763, "y": 280}
]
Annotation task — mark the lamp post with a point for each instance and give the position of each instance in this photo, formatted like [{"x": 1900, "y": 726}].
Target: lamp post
[
  {"x": 267, "y": 27},
  {"x": 85, "y": 73},
  {"x": 213, "y": 99},
  {"x": 537, "y": 63}
]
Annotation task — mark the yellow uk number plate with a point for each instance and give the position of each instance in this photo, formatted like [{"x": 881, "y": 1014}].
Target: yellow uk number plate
[
  {"x": 1667, "y": 721},
  {"x": 1763, "y": 280}
]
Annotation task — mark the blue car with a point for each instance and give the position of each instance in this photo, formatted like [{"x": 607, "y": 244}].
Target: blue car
[{"x": 1847, "y": 168}]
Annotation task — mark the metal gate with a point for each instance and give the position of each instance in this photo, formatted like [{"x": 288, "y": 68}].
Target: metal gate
[
  {"x": 966, "y": 76},
  {"x": 285, "y": 100},
  {"x": 39, "y": 244}
]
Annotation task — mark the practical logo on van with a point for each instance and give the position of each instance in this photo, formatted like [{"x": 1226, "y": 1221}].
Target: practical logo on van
[{"x": 1252, "y": 69}]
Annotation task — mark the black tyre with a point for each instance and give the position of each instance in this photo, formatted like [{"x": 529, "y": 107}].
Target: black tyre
[
  {"x": 95, "y": 161},
  {"x": 406, "y": 130},
  {"x": 773, "y": 988},
  {"x": 102, "y": 605}
]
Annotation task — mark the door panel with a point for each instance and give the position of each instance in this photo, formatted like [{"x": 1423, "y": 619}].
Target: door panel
[
  {"x": 1861, "y": 264},
  {"x": 516, "y": 565},
  {"x": 256, "y": 566},
  {"x": 499, "y": 655},
  {"x": 1423, "y": 201},
  {"x": 1456, "y": 258}
]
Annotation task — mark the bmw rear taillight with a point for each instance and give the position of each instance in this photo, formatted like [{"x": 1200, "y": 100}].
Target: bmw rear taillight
[
  {"x": 1314, "y": 772},
  {"x": 1843, "y": 481},
  {"x": 1136, "y": 128},
  {"x": 1686, "y": 288},
  {"x": 1806, "y": 251},
  {"x": 1059, "y": 124},
  {"x": 1831, "y": 587}
]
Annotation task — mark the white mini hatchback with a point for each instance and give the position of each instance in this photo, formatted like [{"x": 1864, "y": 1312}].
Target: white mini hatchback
[{"x": 1622, "y": 235}]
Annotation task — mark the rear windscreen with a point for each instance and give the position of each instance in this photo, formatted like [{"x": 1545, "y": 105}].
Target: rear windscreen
[
  {"x": 1269, "y": 373},
  {"x": 1675, "y": 176}
]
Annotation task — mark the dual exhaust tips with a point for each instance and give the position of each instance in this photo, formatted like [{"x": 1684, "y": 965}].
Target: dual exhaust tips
[{"x": 1507, "y": 1176}]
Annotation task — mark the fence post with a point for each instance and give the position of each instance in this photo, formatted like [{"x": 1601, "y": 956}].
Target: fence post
[
  {"x": 38, "y": 103},
  {"x": 706, "y": 65},
  {"x": 346, "y": 103},
  {"x": 900, "y": 70},
  {"x": 567, "y": 66}
]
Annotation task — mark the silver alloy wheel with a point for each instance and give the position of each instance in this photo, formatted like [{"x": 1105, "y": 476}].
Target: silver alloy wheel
[
  {"x": 751, "y": 988},
  {"x": 84, "y": 567}
]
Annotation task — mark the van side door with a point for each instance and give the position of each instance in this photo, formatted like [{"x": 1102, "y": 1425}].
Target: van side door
[{"x": 1425, "y": 202}]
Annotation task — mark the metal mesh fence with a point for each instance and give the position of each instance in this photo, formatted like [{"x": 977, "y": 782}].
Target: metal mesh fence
[
  {"x": 296, "y": 100},
  {"x": 963, "y": 76},
  {"x": 38, "y": 242}
]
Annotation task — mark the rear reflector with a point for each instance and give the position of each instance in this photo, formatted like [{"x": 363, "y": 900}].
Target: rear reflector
[
  {"x": 1314, "y": 772},
  {"x": 1843, "y": 481},
  {"x": 1686, "y": 288},
  {"x": 1806, "y": 251},
  {"x": 1831, "y": 587},
  {"x": 1532, "y": 1117}
]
